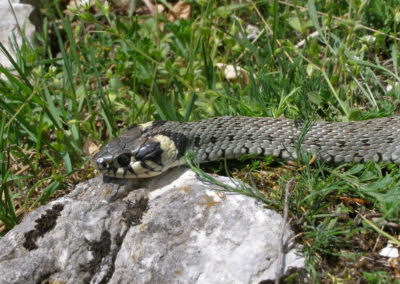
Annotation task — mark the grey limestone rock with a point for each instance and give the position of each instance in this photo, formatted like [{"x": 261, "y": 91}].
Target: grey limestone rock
[
  {"x": 15, "y": 23},
  {"x": 170, "y": 229}
]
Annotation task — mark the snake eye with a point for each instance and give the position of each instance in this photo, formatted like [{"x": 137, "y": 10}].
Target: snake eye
[{"x": 124, "y": 160}]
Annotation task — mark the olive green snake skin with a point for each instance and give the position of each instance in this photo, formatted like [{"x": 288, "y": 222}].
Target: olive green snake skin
[{"x": 149, "y": 149}]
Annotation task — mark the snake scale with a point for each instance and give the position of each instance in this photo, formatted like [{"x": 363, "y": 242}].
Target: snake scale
[{"x": 146, "y": 150}]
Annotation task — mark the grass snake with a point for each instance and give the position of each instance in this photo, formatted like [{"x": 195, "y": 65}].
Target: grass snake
[{"x": 146, "y": 150}]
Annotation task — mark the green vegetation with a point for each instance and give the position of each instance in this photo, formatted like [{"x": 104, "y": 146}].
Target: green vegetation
[{"x": 97, "y": 69}]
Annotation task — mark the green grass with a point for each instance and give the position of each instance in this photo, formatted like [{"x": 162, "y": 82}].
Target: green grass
[{"x": 97, "y": 70}]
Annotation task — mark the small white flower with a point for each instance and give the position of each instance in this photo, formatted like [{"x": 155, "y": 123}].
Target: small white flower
[
  {"x": 390, "y": 87},
  {"x": 252, "y": 32},
  {"x": 53, "y": 69},
  {"x": 389, "y": 251},
  {"x": 232, "y": 73}
]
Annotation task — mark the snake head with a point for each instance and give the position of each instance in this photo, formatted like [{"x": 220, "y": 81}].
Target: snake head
[{"x": 141, "y": 152}]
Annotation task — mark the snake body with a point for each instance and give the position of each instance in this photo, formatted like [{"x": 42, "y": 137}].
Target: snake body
[{"x": 149, "y": 149}]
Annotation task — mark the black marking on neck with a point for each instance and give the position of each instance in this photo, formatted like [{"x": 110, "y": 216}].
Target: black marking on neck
[
  {"x": 179, "y": 139},
  {"x": 150, "y": 151}
]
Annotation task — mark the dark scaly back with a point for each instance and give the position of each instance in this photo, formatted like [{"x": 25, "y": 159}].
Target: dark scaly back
[{"x": 334, "y": 142}]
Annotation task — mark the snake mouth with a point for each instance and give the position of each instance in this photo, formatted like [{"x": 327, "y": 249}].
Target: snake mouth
[
  {"x": 115, "y": 167},
  {"x": 136, "y": 170}
]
